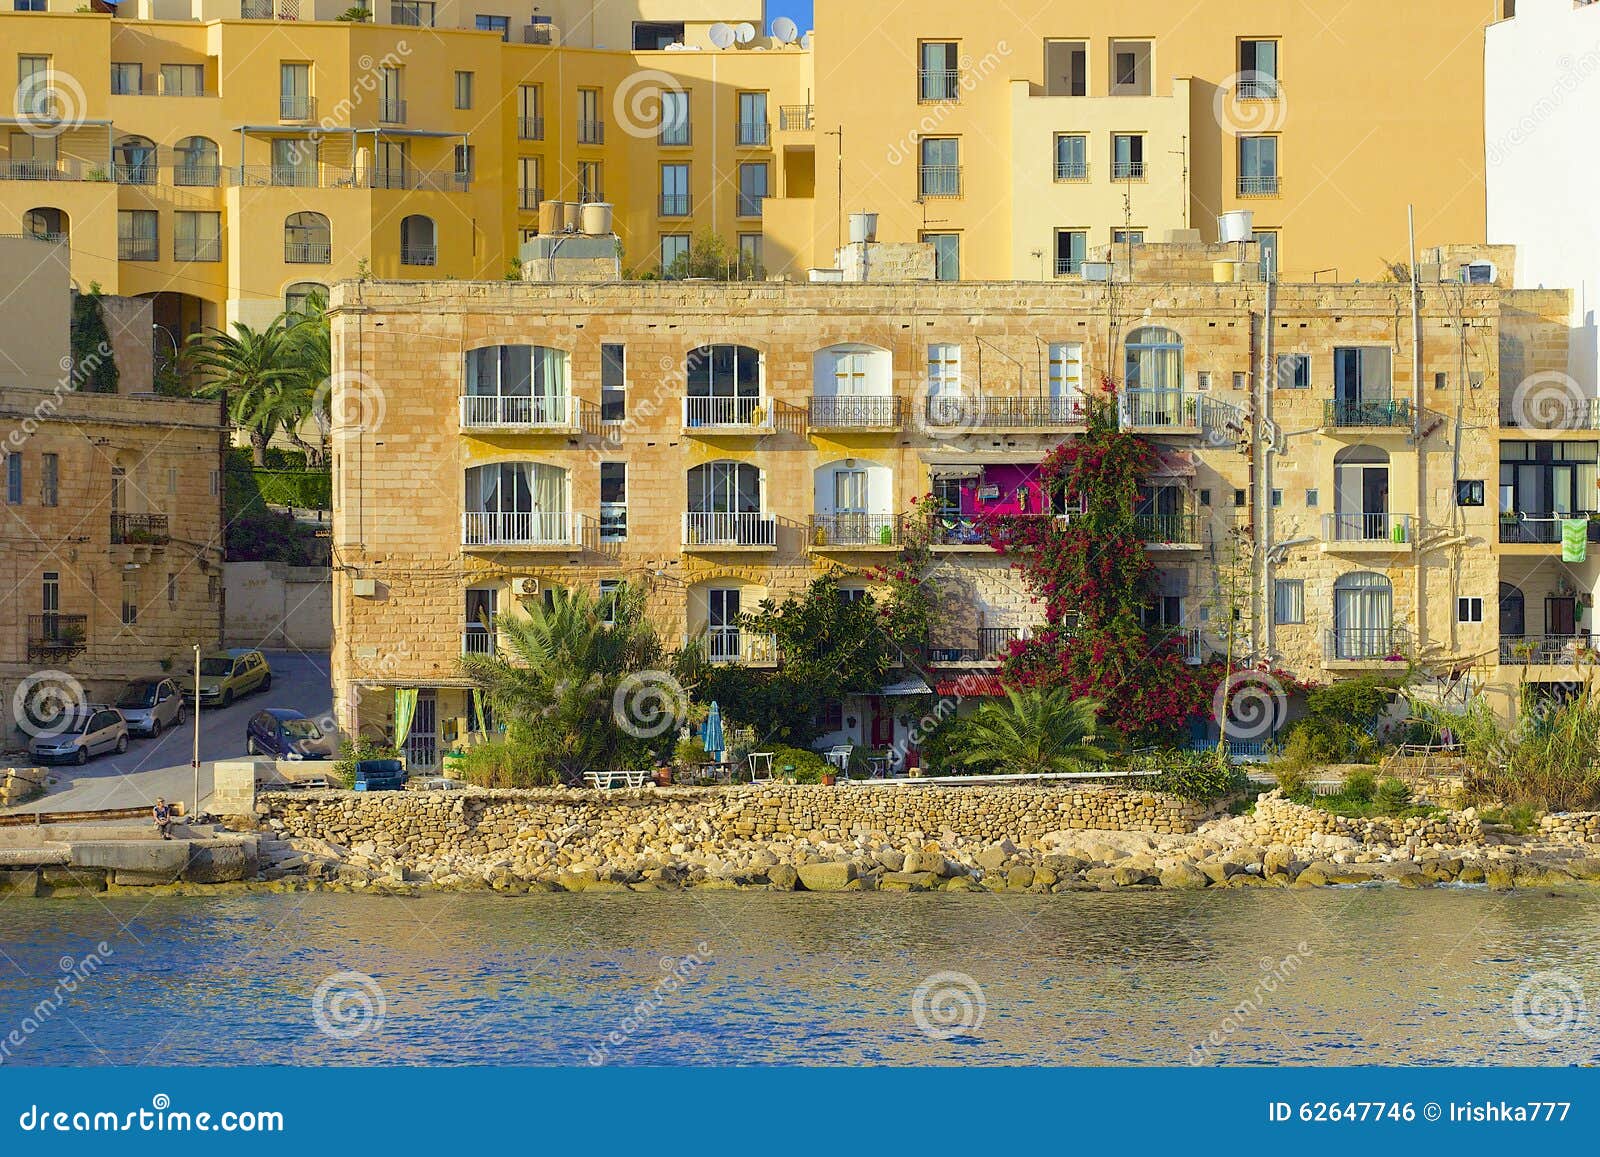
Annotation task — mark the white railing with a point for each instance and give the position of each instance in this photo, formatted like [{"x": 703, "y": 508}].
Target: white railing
[
  {"x": 1375, "y": 528},
  {"x": 1159, "y": 409},
  {"x": 731, "y": 645},
  {"x": 478, "y": 642},
  {"x": 742, "y": 413},
  {"x": 502, "y": 411},
  {"x": 481, "y": 528},
  {"x": 715, "y": 528}
]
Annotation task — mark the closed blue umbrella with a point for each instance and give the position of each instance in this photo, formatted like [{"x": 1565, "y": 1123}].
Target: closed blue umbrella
[{"x": 711, "y": 734}]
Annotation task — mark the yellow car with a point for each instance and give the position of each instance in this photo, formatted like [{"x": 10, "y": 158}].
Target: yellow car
[{"x": 229, "y": 675}]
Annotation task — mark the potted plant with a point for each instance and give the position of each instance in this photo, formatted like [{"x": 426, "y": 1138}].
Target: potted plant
[
  {"x": 664, "y": 774},
  {"x": 829, "y": 778}
]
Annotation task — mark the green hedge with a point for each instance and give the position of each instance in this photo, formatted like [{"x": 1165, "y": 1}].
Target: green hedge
[{"x": 303, "y": 489}]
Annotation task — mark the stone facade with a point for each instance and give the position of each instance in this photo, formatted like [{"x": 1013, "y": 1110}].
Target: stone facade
[{"x": 1281, "y": 821}]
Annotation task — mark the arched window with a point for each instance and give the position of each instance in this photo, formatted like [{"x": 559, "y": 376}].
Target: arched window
[
  {"x": 1363, "y": 617},
  {"x": 724, "y": 386},
  {"x": 725, "y": 507},
  {"x": 195, "y": 162},
  {"x": 1513, "y": 613},
  {"x": 516, "y": 385},
  {"x": 134, "y": 161},
  {"x": 1154, "y": 360},
  {"x": 517, "y": 504},
  {"x": 852, "y": 387},
  {"x": 307, "y": 239},
  {"x": 853, "y": 505},
  {"x": 419, "y": 243},
  {"x": 297, "y": 297},
  {"x": 46, "y": 224}
]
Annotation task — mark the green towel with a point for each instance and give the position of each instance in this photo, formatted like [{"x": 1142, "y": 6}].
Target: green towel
[{"x": 1575, "y": 540}]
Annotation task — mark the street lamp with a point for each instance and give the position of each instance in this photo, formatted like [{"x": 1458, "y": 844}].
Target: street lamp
[{"x": 195, "y": 762}]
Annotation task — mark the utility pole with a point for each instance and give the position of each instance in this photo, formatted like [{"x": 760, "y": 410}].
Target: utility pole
[
  {"x": 838, "y": 240},
  {"x": 195, "y": 762}
]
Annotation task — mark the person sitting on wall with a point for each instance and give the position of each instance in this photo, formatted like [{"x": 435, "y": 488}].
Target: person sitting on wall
[{"x": 162, "y": 814}]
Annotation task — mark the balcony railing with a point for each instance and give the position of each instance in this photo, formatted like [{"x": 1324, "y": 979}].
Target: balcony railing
[
  {"x": 797, "y": 118},
  {"x": 1545, "y": 650},
  {"x": 991, "y": 645},
  {"x": 1394, "y": 413},
  {"x": 939, "y": 180},
  {"x": 741, "y": 413},
  {"x": 284, "y": 176},
  {"x": 1072, "y": 170},
  {"x": 204, "y": 176},
  {"x": 296, "y": 108},
  {"x": 964, "y": 413},
  {"x": 56, "y": 636},
  {"x": 478, "y": 642},
  {"x": 1550, "y": 413},
  {"x": 1260, "y": 186},
  {"x": 520, "y": 529},
  {"x": 1372, "y": 529},
  {"x": 39, "y": 171},
  {"x": 727, "y": 528},
  {"x": 269, "y": 9},
  {"x": 938, "y": 84},
  {"x": 856, "y": 530},
  {"x": 529, "y": 198},
  {"x": 750, "y": 204},
  {"x": 530, "y": 128},
  {"x": 202, "y": 249},
  {"x": 1069, "y": 266},
  {"x": 419, "y": 255},
  {"x": 674, "y": 204},
  {"x": 1543, "y": 529},
  {"x": 138, "y": 249},
  {"x": 1176, "y": 410},
  {"x": 135, "y": 173},
  {"x": 510, "y": 412},
  {"x": 392, "y": 111},
  {"x": 835, "y": 412},
  {"x": 139, "y": 530},
  {"x": 753, "y": 134},
  {"x": 1260, "y": 88},
  {"x": 957, "y": 530},
  {"x": 1169, "y": 529},
  {"x": 732, "y": 645},
  {"x": 1367, "y": 645},
  {"x": 591, "y": 132},
  {"x": 675, "y": 135},
  {"x": 1127, "y": 170},
  {"x": 307, "y": 252}
]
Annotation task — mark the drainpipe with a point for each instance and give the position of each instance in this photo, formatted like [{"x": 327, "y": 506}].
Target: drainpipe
[
  {"x": 1416, "y": 429},
  {"x": 1263, "y": 426}
]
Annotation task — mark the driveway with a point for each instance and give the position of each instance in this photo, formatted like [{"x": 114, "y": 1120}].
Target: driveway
[{"x": 160, "y": 767}]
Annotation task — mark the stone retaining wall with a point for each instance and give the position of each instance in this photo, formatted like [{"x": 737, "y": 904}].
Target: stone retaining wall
[
  {"x": 1571, "y": 827},
  {"x": 1281, "y": 821},
  {"x": 480, "y": 823}
]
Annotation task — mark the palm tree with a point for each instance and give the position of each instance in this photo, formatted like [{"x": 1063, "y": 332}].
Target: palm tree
[
  {"x": 312, "y": 352},
  {"x": 255, "y": 370},
  {"x": 1034, "y": 732}
]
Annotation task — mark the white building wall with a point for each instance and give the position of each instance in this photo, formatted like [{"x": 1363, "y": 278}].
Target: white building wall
[{"x": 1542, "y": 92}]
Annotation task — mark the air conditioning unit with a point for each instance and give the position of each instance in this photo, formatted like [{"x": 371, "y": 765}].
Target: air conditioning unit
[
  {"x": 524, "y": 588},
  {"x": 364, "y": 588}
]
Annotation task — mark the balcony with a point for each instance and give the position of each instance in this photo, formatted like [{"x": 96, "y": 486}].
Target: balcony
[
  {"x": 1168, "y": 530},
  {"x": 201, "y": 176},
  {"x": 307, "y": 252},
  {"x": 1554, "y": 413},
  {"x": 939, "y": 180},
  {"x": 501, "y": 412},
  {"x": 732, "y": 645},
  {"x": 989, "y": 646},
  {"x": 750, "y": 204},
  {"x": 391, "y": 111},
  {"x": 139, "y": 530},
  {"x": 955, "y": 414},
  {"x": 1394, "y": 414},
  {"x": 856, "y": 531},
  {"x": 529, "y": 199},
  {"x": 726, "y": 415},
  {"x": 1159, "y": 411},
  {"x": 197, "y": 249},
  {"x": 479, "y": 642},
  {"x": 138, "y": 249},
  {"x": 530, "y": 128},
  {"x": 53, "y": 637},
  {"x": 1364, "y": 531},
  {"x": 1259, "y": 88},
  {"x": 1127, "y": 170},
  {"x": 728, "y": 530},
  {"x": 938, "y": 84},
  {"x": 591, "y": 132},
  {"x": 524, "y": 530},
  {"x": 1543, "y": 529},
  {"x": 136, "y": 173},
  {"x": 296, "y": 108},
  {"x": 419, "y": 255},
  {"x": 1367, "y": 646},
  {"x": 752, "y": 134},
  {"x": 797, "y": 118},
  {"x": 40, "y": 171},
  {"x": 1546, "y": 650},
  {"x": 675, "y": 136},
  {"x": 674, "y": 205},
  {"x": 1260, "y": 186},
  {"x": 1072, "y": 170},
  {"x": 836, "y": 412}
]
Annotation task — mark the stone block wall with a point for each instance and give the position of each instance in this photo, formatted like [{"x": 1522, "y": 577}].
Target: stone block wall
[{"x": 1280, "y": 821}]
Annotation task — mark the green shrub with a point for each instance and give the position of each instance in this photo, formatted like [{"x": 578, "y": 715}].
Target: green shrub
[
  {"x": 1360, "y": 787},
  {"x": 354, "y": 751},
  {"x": 1521, "y": 818},
  {"x": 690, "y": 752},
  {"x": 1196, "y": 775},
  {"x": 1292, "y": 780},
  {"x": 507, "y": 763},
  {"x": 809, "y": 767},
  {"x": 1393, "y": 796}
]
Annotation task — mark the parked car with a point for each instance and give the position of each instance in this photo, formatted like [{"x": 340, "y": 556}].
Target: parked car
[
  {"x": 230, "y": 675},
  {"x": 89, "y": 732},
  {"x": 149, "y": 706},
  {"x": 286, "y": 734}
]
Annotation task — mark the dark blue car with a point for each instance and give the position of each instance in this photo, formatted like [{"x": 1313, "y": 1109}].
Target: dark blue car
[{"x": 284, "y": 733}]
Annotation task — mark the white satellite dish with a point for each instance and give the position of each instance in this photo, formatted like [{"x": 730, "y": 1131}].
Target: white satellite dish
[
  {"x": 744, "y": 33},
  {"x": 805, "y": 42},
  {"x": 722, "y": 35},
  {"x": 785, "y": 31}
]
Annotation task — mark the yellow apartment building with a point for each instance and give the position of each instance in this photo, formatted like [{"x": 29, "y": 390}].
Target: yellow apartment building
[
  {"x": 111, "y": 544},
  {"x": 1021, "y": 138},
  {"x": 225, "y": 159},
  {"x": 1334, "y": 479}
]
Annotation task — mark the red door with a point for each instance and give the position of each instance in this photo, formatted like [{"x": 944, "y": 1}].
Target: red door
[{"x": 882, "y": 724}]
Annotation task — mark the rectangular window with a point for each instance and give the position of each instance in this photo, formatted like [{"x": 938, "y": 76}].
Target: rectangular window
[
  {"x": 613, "y": 501},
  {"x": 183, "y": 79},
  {"x": 1127, "y": 237},
  {"x": 753, "y": 187},
  {"x": 14, "y": 478},
  {"x": 1469, "y": 610},
  {"x": 172, "y": 589},
  {"x": 1277, "y": 498},
  {"x": 613, "y": 383},
  {"x": 49, "y": 480},
  {"x": 1239, "y": 498},
  {"x": 1066, "y": 68},
  {"x": 294, "y": 91},
  {"x": 1258, "y": 70},
  {"x": 1127, "y": 157},
  {"x": 1202, "y": 380},
  {"x": 29, "y": 5},
  {"x": 1267, "y": 242},
  {"x": 946, "y": 255},
  {"x": 1066, "y": 369},
  {"x": 753, "y": 129},
  {"x": 138, "y": 238},
  {"x": 655, "y": 35},
  {"x": 130, "y": 597},
  {"x": 939, "y": 71},
  {"x": 463, "y": 90},
  {"x": 939, "y": 174},
  {"x": 35, "y": 94},
  {"x": 674, "y": 117},
  {"x": 391, "y": 94},
  {"x": 1130, "y": 67},
  {"x": 50, "y": 592},
  {"x": 215, "y": 487},
  {"x": 196, "y": 236},
  {"x": 530, "y": 182},
  {"x": 1072, "y": 246},
  {"x": 674, "y": 246},
  {"x": 1313, "y": 498},
  {"x": 591, "y": 128},
  {"x": 610, "y": 591},
  {"x": 126, "y": 79},
  {"x": 466, "y": 162},
  {"x": 530, "y": 112},
  {"x": 1072, "y": 157},
  {"x": 944, "y": 370},
  {"x": 1294, "y": 372},
  {"x": 500, "y": 24},
  {"x": 1469, "y": 492},
  {"x": 591, "y": 182},
  {"x": 412, "y": 13},
  {"x": 675, "y": 190},
  {"x": 1289, "y": 601},
  {"x": 1258, "y": 166},
  {"x": 751, "y": 264}
]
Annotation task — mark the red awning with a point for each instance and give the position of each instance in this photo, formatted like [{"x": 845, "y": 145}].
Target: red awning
[{"x": 971, "y": 687}]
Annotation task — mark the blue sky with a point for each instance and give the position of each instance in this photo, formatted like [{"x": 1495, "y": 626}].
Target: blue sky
[{"x": 798, "y": 10}]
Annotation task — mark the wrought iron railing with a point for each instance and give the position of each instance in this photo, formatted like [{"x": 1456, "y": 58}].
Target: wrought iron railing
[
  {"x": 856, "y": 530},
  {"x": 989, "y": 413},
  {"x": 1367, "y": 644},
  {"x": 1169, "y": 529},
  {"x": 139, "y": 530},
  {"x": 1344, "y": 414},
  {"x": 1545, "y": 650},
  {"x": 835, "y": 412}
]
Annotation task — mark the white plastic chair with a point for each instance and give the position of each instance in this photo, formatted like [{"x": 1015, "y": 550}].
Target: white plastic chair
[{"x": 760, "y": 766}]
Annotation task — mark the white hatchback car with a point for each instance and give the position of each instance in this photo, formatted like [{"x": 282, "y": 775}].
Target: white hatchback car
[{"x": 87, "y": 733}]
